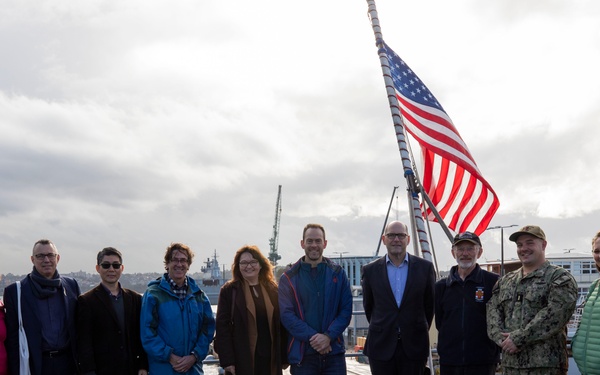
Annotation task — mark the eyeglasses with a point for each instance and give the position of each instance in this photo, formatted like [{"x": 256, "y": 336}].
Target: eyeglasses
[
  {"x": 106, "y": 266},
  {"x": 179, "y": 260},
  {"x": 43, "y": 256},
  {"x": 391, "y": 236},
  {"x": 246, "y": 263},
  {"x": 470, "y": 249}
]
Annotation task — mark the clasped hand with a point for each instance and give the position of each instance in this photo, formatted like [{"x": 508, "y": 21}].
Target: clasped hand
[
  {"x": 320, "y": 343},
  {"x": 182, "y": 364},
  {"x": 507, "y": 344}
]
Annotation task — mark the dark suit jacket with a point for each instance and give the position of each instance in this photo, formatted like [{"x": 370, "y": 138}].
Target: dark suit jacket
[
  {"x": 231, "y": 341},
  {"x": 32, "y": 322},
  {"x": 412, "y": 319},
  {"x": 100, "y": 343}
]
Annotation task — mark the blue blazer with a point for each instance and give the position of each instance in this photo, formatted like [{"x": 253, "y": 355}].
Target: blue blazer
[
  {"x": 413, "y": 318},
  {"x": 32, "y": 323}
]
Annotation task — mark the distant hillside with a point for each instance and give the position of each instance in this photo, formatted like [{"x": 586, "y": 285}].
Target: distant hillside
[{"x": 87, "y": 281}]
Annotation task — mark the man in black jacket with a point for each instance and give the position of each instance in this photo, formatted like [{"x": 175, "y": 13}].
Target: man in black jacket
[
  {"x": 460, "y": 299},
  {"x": 108, "y": 323}
]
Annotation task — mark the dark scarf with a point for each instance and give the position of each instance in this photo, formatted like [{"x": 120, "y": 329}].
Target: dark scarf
[{"x": 42, "y": 287}]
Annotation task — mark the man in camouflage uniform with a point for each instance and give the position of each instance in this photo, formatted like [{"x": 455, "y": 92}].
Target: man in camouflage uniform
[{"x": 530, "y": 308}]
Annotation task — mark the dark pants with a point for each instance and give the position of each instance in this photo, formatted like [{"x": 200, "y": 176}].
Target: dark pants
[
  {"x": 468, "y": 370},
  {"x": 316, "y": 364},
  {"x": 59, "y": 365},
  {"x": 400, "y": 364},
  {"x": 534, "y": 371},
  {"x": 262, "y": 365}
]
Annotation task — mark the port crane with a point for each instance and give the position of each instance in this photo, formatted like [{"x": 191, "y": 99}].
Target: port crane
[{"x": 274, "y": 241}]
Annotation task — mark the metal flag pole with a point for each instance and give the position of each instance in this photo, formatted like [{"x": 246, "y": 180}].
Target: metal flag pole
[
  {"x": 427, "y": 203},
  {"x": 409, "y": 175},
  {"x": 385, "y": 221}
]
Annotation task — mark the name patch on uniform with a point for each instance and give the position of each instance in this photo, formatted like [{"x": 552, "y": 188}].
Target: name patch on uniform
[{"x": 479, "y": 294}]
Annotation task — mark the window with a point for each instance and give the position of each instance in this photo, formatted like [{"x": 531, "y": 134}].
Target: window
[
  {"x": 562, "y": 263},
  {"x": 588, "y": 267}
]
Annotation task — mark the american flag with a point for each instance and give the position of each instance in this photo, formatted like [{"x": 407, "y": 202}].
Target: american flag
[{"x": 464, "y": 199}]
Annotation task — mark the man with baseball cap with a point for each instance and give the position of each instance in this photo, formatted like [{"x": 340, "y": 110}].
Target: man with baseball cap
[
  {"x": 460, "y": 299},
  {"x": 530, "y": 308}
]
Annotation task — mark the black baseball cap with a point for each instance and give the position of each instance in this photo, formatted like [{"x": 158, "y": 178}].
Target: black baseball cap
[{"x": 467, "y": 236}]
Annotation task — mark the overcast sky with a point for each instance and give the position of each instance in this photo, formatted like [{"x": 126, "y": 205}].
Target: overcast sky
[{"x": 134, "y": 124}]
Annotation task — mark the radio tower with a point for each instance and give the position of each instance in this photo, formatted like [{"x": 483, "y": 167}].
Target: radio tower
[{"x": 274, "y": 241}]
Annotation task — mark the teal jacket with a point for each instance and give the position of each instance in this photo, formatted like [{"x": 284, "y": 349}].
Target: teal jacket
[
  {"x": 586, "y": 342},
  {"x": 170, "y": 325}
]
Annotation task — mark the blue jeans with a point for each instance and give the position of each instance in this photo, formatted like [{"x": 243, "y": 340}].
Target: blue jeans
[{"x": 315, "y": 364}]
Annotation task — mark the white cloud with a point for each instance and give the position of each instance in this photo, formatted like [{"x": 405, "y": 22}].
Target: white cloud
[{"x": 136, "y": 124}]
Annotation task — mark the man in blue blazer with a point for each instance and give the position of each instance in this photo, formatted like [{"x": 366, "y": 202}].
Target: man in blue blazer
[
  {"x": 398, "y": 301},
  {"x": 48, "y": 303}
]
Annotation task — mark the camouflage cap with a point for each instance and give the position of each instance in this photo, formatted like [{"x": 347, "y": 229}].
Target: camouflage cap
[
  {"x": 466, "y": 236},
  {"x": 533, "y": 230}
]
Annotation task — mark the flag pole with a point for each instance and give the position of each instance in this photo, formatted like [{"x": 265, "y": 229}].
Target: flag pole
[
  {"x": 412, "y": 185},
  {"x": 427, "y": 203},
  {"x": 385, "y": 221}
]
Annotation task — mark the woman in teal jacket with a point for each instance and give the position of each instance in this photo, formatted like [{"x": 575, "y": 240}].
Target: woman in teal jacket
[
  {"x": 177, "y": 323},
  {"x": 586, "y": 343}
]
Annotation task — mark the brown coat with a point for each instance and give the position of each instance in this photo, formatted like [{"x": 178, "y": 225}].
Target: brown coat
[{"x": 235, "y": 343}]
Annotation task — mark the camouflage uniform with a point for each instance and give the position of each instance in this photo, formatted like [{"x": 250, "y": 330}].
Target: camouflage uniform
[{"x": 535, "y": 310}]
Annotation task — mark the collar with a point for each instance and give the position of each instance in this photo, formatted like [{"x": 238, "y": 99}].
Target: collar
[
  {"x": 405, "y": 261},
  {"x": 476, "y": 275},
  {"x": 304, "y": 263},
  {"x": 537, "y": 273},
  {"x": 174, "y": 285},
  {"x": 109, "y": 292}
]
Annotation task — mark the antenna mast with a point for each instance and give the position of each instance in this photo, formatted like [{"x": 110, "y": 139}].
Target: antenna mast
[{"x": 274, "y": 241}]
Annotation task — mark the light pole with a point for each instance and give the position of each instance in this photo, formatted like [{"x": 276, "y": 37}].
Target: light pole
[
  {"x": 340, "y": 252},
  {"x": 501, "y": 227}
]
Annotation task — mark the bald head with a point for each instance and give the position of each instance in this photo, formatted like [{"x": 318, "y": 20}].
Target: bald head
[
  {"x": 396, "y": 239},
  {"x": 396, "y": 223}
]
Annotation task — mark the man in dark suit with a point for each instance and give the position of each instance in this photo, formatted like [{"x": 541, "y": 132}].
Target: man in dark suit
[
  {"x": 108, "y": 323},
  {"x": 48, "y": 303},
  {"x": 398, "y": 301}
]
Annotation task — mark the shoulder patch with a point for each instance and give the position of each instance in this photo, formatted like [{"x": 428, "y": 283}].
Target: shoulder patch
[{"x": 562, "y": 279}]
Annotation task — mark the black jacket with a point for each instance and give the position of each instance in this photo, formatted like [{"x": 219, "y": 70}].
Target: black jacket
[
  {"x": 460, "y": 318},
  {"x": 100, "y": 346}
]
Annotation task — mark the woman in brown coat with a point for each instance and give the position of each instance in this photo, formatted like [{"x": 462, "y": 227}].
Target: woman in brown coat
[{"x": 249, "y": 333}]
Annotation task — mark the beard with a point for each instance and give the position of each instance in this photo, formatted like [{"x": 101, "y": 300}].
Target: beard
[{"x": 466, "y": 264}]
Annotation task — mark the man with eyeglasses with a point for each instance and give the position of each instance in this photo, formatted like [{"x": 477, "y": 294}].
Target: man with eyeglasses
[
  {"x": 530, "y": 308},
  {"x": 398, "y": 301},
  {"x": 48, "y": 306},
  {"x": 108, "y": 323},
  {"x": 177, "y": 323},
  {"x": 460, "y": 299},
  {"x": 315, "y": 304}
]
